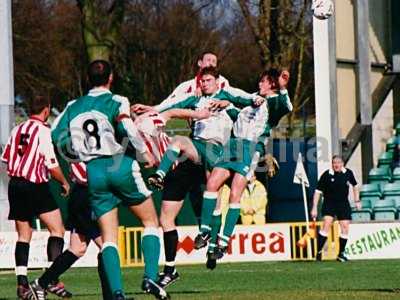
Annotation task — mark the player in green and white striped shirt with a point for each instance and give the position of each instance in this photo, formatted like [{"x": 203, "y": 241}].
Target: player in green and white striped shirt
[{"x": 96, "y": 126}]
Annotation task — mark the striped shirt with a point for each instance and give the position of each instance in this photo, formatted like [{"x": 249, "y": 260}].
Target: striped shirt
[
  {"x": 151, "y": 129},
  {"x": 78, "y": 173},
  {"x": 29, "y": 152}
]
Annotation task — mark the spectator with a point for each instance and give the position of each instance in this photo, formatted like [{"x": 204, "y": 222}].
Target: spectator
[{"x": 253, "y": 203}]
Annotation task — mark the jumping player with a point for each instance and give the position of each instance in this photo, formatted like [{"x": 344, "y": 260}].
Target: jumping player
[{"x": 250, "y": 131}]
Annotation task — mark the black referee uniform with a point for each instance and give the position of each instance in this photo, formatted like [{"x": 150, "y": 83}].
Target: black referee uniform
[{"x": 334, "y": 186}]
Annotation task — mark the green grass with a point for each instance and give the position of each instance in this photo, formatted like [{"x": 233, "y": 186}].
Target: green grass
[{"x": 358, "y": 280}]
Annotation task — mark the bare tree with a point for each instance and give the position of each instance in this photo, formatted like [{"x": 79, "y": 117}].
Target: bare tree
[
  {"x": 47, "y": 49},
  {"x": 282, "y": 31}
]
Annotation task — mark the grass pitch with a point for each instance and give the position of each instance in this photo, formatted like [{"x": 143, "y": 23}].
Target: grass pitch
[{"x": 358, "y": 280}]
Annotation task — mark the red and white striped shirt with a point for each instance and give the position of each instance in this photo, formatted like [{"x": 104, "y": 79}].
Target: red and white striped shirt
[
  {"x": 78, "y": 173},
  {"x": 29, "y": 152},
  {"x": 151, "y": 128}
]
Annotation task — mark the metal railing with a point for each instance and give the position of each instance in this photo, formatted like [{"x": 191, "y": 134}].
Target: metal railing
[{"x": 130, "y": 239}]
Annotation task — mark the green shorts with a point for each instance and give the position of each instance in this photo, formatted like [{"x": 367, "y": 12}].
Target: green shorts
[
  {"x": 209, "y": 153},
  {"x": 115, "y": 180},
  {"x": 237, "y": 157}
]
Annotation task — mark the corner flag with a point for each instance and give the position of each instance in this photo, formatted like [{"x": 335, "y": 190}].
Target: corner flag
[
  {"x": 300, "y": 173},
  {"x": 300, "y": 177}
]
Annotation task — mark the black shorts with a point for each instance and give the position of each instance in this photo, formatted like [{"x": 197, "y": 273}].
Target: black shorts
[
  {"x": 185, "y": 178},
  {"x": 80, "y": 217},
  {"x": 340, "y": 210},
  {"x": 29, "y": 200}
]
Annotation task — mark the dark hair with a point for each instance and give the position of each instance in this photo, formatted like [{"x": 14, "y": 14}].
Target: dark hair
[
  {"x": 98, "y": 72},
  {"x": 210, "y": 71},
  {"x": 272, "y": 74},
  {"x": 37, "y": 104},
  {"x": 201, "y": 56},
  {"x": 337, "y": 156}
]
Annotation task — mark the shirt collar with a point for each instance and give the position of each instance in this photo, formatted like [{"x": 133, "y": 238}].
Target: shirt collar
[
  {"x": 36, "y": 119},
  {"x": 331, "y": 172},
  {"x": 33, "y": 118},
  {"x": 97, "y": 91}
]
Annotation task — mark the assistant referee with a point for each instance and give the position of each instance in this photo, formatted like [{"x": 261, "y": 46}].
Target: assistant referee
[{"x": 334, "y": 186}]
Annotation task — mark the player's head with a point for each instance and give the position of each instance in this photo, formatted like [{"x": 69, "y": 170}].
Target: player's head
[
  {"x": 40, "y": 105},
  {"x": 207, "y": 59},
  {"x": 269, "y": 81},
  {"x": 209, "y": 80},
  {"x": 100, "y": 73},
  {"x": 337, "y": 163}
]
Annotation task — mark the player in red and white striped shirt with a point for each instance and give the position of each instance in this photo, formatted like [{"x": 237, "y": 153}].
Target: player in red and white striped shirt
[
  {"x": 30, "y": 159},
  {"x": 192, "y": 86}
]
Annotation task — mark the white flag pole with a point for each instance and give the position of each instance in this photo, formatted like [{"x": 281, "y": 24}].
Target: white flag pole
[
  {"x": 303, "y": 187},
  {"x": 38, "y": 226},
  {"x": 300, "y": 177}
]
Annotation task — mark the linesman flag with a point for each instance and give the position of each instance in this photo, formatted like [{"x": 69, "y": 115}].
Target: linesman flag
[{"x": 300, "y": 175}]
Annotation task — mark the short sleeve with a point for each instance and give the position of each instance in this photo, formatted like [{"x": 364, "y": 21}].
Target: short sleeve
[
  {"x": 47, "y": 148},
  {"x": 351, "y": 178},
  {"x": 321, "y": 185}
]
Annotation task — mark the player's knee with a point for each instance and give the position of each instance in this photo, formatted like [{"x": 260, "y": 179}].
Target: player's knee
[
  {"x": 212, "y": 185},
  {"x": 151, "y": 221},
  {"x": 167, "y": 222},
  {"x": 344, "y": 229},
  {"x": 234, "y": 197},
  {"x": 58, "y": 231},
  {"x": 78, "y": 250},
  {"x": 178, "y": 142},
  {"x": 25, "y": 235}
]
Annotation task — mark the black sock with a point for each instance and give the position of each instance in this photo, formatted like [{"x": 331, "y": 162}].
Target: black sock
[
  {"x": 55, "y": 247},
  {"x": 170, "y": 246},
  {"x": 321, "y": 242},
  {"x": 61, "y": 264},
  {"x": 342, "y": 244},
  {"x": 105, "y": 288},
  {"x": 21, "y": 260}
]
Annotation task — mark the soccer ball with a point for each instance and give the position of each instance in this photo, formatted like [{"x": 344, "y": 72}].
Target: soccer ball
[{"x": 322, "y": 9}]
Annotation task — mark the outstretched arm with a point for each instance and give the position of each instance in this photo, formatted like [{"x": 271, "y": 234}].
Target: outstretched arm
[{"x": 178, "y": 113}]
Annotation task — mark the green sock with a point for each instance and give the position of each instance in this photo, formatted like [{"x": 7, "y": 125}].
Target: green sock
[
  {"x": 215, "y": 228},
  {"x": 209, "y": 202},
  {"x": 112, "y": 268},
  {"x": 230, "y": 222},
  {"x": 168, "y": 159},
  {"x": 151, "y": 252}
]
